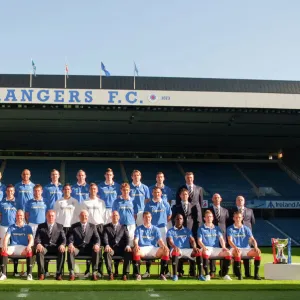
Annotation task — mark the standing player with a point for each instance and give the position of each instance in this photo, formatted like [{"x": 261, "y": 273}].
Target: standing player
[
  {"x": 108, "y": 192},
  {"x": 239, "y": 238},
  {"x": 53, "y": 190},
  {"x": 21, "y": 242},
  {"x": 209, "y": 239},
  {"x": 80, "y": 190},
  {"x": 96, "y": 210},
  {"x": 67, "y": 209},
  {"x": 161, "y": 214},
  {"x": 124, "y": 206},
  {"x": 8, "y": 210},
  {"x": 2, "y": 188},
  {"x": 140, "y": 194},
  {"x": 167, "y": 194},
  {"x": 146, "y": 239},
  {"x": 24, "y": 190},
  {"x": 183, "y": 245},
  {"x": 35, "y": 210}
]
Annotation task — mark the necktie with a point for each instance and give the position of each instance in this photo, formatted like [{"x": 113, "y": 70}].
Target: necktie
[
  {"x": 184, "y": 208},
  {"x": 50, "y": 229},
  {"x": 241, "y": 210},
  {"x": 83, "y": 228},
  {"x": 115, "y": 228},
  {"x": 217, "y": 212},
  {"x": 191, "y": 191}
]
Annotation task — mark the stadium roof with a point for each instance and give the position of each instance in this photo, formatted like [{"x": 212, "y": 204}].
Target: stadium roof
[
  {"x": 153, "y": 83},
  {"x": 133, "y": 128}
]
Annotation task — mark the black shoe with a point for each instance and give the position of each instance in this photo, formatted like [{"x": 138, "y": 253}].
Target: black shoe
[
  {"x": 247, "y": 275},
  {"x": 240, "y": 277},
  {"x": 220, "y": 273},
  {"x": 257, "y": 277}
]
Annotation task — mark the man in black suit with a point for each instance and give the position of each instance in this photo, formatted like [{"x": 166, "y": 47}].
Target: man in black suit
[
  {"x": 192, "y": 219},
  {"x": 248, "y": 220},
  {"x": 221, "y": 217},
  {"x": 195, "y": 191},
  {"x": 191, "y": 213},
  {"x": 83, "y": 239},
  {"x": 116, "y": 242},
  {"x": 50, "y": 239}
]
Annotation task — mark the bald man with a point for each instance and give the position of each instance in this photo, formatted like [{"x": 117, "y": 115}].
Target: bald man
[{"x": 220, "y": 219}]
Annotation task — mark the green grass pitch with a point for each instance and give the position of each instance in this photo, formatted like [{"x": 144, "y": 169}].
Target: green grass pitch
[{"x": 186, "y": 288}]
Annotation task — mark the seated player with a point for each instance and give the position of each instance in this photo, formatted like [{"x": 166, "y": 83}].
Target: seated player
[
  {"x": 209, "y": 239},
  {"x": 146, "y": 239},
  {"x": 21, "y": 242},
  {"x": 183, "y": 245},
  {"x": 161, "y": 214},
  {"x": 240, "y": 238}
]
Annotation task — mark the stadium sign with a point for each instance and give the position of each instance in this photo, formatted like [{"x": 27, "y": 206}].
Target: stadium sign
[
  {"x": 148, "y": 98},
  {"x": 283, "y": 204}
]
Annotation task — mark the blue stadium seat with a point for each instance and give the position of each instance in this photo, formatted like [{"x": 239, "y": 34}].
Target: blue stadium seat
[
  {"x": 270, "y": 175},
  {"x": 40, "y": 170},
  {"x": 94, "y": 170},
  {"x": 149, "y": 169},
  {"x": 288, "y": 225},
  {"x": 220, "y": 178}
]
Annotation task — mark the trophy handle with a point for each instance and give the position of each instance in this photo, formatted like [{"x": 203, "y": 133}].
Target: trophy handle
[{"x": 274, "y": 241}]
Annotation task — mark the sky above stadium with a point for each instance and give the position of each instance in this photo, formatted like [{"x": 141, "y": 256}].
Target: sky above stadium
[{"x": 192, "y": 38}]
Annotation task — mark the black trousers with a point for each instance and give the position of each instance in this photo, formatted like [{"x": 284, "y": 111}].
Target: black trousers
[
  {"x": 118, "y": 252},
  {"x": 66, "y": 230},
  {"x": 85, "y": 252},
  {"x": 41, "y": 257}
]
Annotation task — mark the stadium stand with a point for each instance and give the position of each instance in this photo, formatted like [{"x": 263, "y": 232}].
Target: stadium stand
[
  {"x": 173, "y": 176},
  {"x": 40, "y": 170},
  {"x": 94, "y": 169},
  {"x": 269, "y": 175},
  {"x": 220, "y": 178},
  {"x": 264, "y": 232},
  {"x": 288, "y": 225}
]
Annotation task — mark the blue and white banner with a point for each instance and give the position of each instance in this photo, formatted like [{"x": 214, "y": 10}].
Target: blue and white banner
[
  {"x": 148, "y": 98},
  {"x": 263, "y": 204},
  {"x": 283, "y": 204}
]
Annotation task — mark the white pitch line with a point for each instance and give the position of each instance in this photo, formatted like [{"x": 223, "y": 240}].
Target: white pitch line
[
  {"x": 23, "y": 293},
  {"x": 154, "y": 295}
]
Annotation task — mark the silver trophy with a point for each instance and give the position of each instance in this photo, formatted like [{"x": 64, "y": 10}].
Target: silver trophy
[{"x": 280, "y": 244}]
